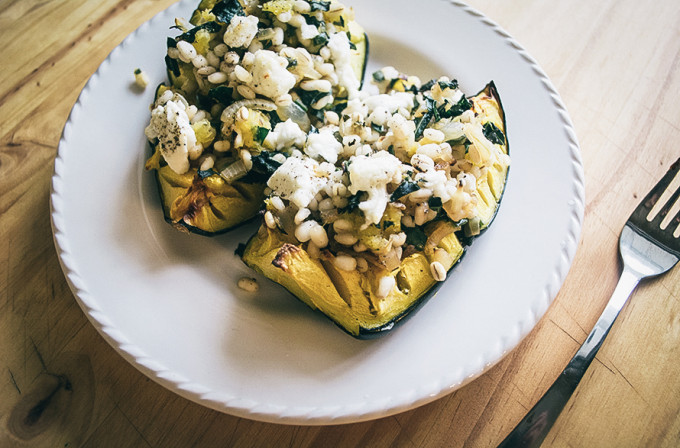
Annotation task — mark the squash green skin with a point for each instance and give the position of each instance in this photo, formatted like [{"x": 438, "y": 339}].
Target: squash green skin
[
  {"x": 348, "y": 298},
  {"x": 492, "y": 188}
]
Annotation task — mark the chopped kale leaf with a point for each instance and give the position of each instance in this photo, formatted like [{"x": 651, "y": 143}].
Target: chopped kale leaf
[
  {"x": 448, "y": 85},
  {"x": 352, "y": 204},
  {"x": 206, "y": 173},
  {"x": 493, "y": 134},
  {"x": 222, "y": 94},
  {"x": 190, "y": 36},
  {"x": 404, "y": 188},
  {"x": 225, "y": 10},
  {"x": 424, "y": 121},
  {"x": 261, "y": 134},
  {"x": 427, "y": 86},
  {"x": 264, "y": 166},
  {"x": 320, "y": 39},
  {"x": 309, "y": 97},
  {"x": 456, "y": 109},
  {"x": 172, "y": 65},
  {"x": 319, "y": 5},
  {"x": 378, "y": 128},
  {"x": 434, "y": 203},
  {"x": 415, "y": 237}
]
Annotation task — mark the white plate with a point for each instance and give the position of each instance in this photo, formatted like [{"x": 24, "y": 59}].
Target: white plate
[{"x": 169, "y": 304}]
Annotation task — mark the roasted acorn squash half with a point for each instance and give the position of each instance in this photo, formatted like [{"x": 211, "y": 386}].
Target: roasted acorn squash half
[
  {"x": 353, "y": 300},
  {"x": 207, "y": 201}
]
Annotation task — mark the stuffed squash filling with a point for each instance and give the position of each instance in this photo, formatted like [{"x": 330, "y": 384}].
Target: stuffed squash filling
[
  {"x": 368, "y": 197},
  {"x": 378, "y": 206}
]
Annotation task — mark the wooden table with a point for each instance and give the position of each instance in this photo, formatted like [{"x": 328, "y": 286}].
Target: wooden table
[{"x": 616, "y": 64}]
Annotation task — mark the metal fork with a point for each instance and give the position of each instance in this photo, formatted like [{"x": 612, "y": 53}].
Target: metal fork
[{"x": 648, "y": 248}]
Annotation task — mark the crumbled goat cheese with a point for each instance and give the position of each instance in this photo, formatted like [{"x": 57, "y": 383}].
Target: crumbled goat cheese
[
  {"x": 341, "y": 56},
  {"x": 436, "y": 180},
  {"x": 171, "y": 126},
  {"x": 324, "y": 144},
  {"x": 285, "y": 135},
  {"x": 392, "y": 101},
  {"x": 296, "y": 180},
  {"x": 372, "y": 174},
  {"x": 270, "y": 77},
  {"x": 241, "y": 31},
  {"x": 308, "y": 31}
]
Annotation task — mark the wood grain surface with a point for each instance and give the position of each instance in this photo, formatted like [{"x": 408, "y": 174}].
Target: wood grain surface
[{"x": 616, "y": 64}]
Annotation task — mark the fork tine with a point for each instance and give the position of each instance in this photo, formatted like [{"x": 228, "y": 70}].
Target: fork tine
[
  {"x": 666, "y": 207},
  {"x": 642, "y": 211}
]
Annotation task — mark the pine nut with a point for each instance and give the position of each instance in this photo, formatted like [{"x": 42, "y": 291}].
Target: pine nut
[
  {"x": 301, "y": 6},
  {"x": 269, "y": 220},
  {"x": 442, "y": 256},
  {"x": 242, "y": 74},
  {"x": 301, "y": 215},
  {"x": 318, "y": 236},
  {"x": 346, "y": 239},
  {"x": 206, "y": 71},
  {"x": 221, "y": 145},
  {"x": 246, "y": 92},
  {"x": 213, "y": 60},
  {"x": 248, "y": 59},
  {"x": 323, "y": 102},
  {"x": 186, "y": 51},
  {"x": 438, "y": 271},
  {"x": 217, "y": 78},
  {"x": 434, "y": 135},
  {"x": 220, "y": 50},
  {"x": 248, "y": 284},
  {"x": 277, "y": 203},
  {"x": 208, "y": 162},
  {"x": 342, "y": 225},
  {"x": 303, "y": 232},
  {"x": 232, "y": 58},
  {"x": 326, "y": 204},
  {"x": 200, "y": 61},
  {"x": 284, "y": 17},
  {"x": 360, "y": 247},
  {"x": 332, "y": 117},
  {"x": 345, "y": 262},
  {"x": 320, "y": 85},
  {"x": 243, "y": 113}
]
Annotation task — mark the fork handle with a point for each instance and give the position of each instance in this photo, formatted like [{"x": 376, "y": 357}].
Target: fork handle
[{"x": 534, "y": 427}]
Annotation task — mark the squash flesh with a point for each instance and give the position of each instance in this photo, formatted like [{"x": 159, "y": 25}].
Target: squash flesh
[{"x": 346, "y": 297}]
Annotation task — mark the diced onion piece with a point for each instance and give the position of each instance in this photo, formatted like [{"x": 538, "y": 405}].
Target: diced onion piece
[
  {"x": 234, "y": 171},
  {"x": 296, "y": 113}
]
